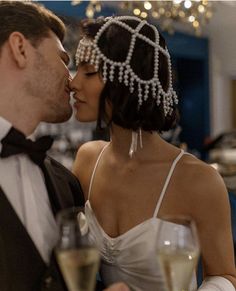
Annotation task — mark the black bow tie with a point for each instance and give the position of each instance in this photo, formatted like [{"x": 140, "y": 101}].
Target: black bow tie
[{"x": 15, "y": 143}]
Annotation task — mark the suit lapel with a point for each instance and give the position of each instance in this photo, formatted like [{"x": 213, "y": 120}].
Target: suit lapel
[
  {"x": 15, "y": 243},
  {"x": 60, "y": 187}
]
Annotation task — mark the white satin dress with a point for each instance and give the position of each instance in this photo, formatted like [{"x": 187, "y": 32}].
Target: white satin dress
[{"x": 130, "y": 257}]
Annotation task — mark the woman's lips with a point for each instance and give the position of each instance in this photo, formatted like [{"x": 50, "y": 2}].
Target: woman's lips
[{"x": 78, "y": 102}]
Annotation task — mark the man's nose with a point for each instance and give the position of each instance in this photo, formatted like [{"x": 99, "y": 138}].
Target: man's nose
[{"x": 75, "y": 83}]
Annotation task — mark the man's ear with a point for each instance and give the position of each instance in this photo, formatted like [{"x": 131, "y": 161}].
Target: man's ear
[{"x": 18, "y": 45}]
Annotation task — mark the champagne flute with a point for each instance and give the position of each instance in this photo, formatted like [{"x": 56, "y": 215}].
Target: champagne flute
[
  {"x": 77, "y": 256},
  {"x": 177, "y": 251}
]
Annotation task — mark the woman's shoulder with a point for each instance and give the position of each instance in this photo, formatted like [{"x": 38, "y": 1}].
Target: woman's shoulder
[
  {"x": 197, "y": 169},
  {"x": 91, "y": 148},
  {"x": 203, "y": 181},
  {"x": 88, "y": 153}
]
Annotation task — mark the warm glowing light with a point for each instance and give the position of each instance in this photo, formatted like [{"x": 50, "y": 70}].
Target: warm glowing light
[
  {"x": 155, "y": 14},
  {"x": 190, "y": 257},
  {"x": 195, "y": 24},
  {"x": 187, "y": 4},
  {"x": 177, "y": 1},
  {"x": 89, "y": 13},
  {"x": 191, "y": 18},
  {"x": 147, "y": 5},
  {"x": 201, "y": 8},
  {"x": 136, "y": 11},
  {"x": 75, "y": 2},
  {"x": 143, "y": 14}
]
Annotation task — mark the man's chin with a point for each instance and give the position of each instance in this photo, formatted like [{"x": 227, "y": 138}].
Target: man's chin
[{"x": 59, "y": 118}]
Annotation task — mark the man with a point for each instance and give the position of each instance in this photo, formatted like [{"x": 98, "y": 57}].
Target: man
[
  {"x": 33, "y": 88},
  {"x": 33, "y": 187}
]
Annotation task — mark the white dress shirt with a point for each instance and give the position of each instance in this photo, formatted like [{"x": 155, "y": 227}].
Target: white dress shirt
[{"x": 23, "y": 183}]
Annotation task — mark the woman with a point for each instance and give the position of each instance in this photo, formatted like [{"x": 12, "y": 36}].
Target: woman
[{"x": 130, "y": 183}]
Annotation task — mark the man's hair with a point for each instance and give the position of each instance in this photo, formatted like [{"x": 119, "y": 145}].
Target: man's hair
[
  {"x": 114, "y": 43},
  {"x": 33, "y": 20}
]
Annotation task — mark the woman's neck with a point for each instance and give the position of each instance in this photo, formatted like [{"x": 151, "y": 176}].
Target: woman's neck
[{"x": 121, "y": 139}]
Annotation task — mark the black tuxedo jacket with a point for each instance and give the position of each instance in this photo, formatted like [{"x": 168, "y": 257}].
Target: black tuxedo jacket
[{"x": 21, "y": 266}]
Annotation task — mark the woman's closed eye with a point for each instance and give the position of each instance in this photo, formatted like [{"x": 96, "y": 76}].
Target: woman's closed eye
[{"x": 91, "y": 73}]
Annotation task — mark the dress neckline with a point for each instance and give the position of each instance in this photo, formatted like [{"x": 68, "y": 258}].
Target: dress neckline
[
  {"x": 131, "y": 230},
  {"x": 137, "y": 226}
]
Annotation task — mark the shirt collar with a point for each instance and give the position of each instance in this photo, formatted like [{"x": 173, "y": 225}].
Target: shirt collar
[{"x": 4, "y": 127}]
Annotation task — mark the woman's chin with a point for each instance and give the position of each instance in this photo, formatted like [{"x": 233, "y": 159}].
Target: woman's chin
[{"x": 82, "y": 118}]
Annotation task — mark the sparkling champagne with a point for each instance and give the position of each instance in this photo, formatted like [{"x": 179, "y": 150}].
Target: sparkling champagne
[
  {"x": 178, "y": 268},
  {"x": 79, "y": 268}
]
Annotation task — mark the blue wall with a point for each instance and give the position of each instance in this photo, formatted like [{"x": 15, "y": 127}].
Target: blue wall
[
  {"x": 190, "y": 58},
  {"x": 77, "y": 11}
]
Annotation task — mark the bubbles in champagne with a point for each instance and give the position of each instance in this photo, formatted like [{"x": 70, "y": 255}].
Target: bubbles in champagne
[
  {"x": 178, "y": 268},
  {"x": 79, "y": 268}
]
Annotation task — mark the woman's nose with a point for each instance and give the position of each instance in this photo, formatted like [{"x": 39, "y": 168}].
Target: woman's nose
[{"x": 75, "y": 84}]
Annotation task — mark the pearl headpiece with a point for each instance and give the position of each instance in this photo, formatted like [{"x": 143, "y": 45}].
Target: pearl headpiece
[{"x": 88, "y": 51}]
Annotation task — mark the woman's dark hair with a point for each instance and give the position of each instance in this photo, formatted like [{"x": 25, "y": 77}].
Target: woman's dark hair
[{"x": 114, "y": 43}]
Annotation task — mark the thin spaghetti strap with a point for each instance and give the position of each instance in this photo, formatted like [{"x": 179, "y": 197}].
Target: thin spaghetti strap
[
  {"x": 167, "y": 182},
  {"x": 94, "y": 170}
]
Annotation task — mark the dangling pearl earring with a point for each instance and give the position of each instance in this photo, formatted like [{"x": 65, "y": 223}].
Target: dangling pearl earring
[{"x": 134, "y": 142}]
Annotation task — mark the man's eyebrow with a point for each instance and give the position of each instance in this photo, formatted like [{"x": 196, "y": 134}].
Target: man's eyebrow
[{"x": 65, "y": 57}]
